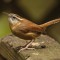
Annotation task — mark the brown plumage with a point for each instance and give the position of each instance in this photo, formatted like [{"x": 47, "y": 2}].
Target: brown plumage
[{"x": 26, "y": 29}]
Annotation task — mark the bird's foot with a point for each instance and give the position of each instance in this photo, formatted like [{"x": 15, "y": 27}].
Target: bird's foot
[
  {"x": 31, "y": 46},
  {"x": 27, "y": 46}
]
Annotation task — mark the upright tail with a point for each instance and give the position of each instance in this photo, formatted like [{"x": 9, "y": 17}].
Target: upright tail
[{"x": 50, "y": 23}]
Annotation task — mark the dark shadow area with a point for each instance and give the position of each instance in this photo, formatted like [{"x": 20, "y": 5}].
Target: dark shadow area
[
  {"x": 2, "y": 58},
  {"x": 55, "y": 13}
]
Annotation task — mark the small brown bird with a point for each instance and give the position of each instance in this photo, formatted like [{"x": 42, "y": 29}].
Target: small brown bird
[{"x": 26, "y": 29}]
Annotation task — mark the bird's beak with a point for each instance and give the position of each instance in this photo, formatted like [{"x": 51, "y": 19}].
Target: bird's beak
[{"x": 6, "y": 13}]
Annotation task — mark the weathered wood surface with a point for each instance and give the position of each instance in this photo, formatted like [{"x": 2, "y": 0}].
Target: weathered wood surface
[
  {"x": 51, "y": 52},
  {"x": 2, "y": 58},
  {"x": 7, "y": 53}
]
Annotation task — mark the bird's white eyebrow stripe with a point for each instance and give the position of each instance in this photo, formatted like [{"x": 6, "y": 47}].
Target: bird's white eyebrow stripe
[{"x": 18, "y": 18}]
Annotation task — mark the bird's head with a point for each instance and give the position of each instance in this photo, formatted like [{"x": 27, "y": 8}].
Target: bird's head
[{"x": 13, "y": 18}]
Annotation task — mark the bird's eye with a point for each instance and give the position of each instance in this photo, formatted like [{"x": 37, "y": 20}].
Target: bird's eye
[{"x": 13, "y": 18}]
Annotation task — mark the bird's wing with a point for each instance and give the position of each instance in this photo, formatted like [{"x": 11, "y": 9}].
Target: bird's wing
[{"x": 35, "y": 28}]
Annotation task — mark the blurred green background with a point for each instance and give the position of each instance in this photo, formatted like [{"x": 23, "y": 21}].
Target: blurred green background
[{"x": 38, "y": 11}]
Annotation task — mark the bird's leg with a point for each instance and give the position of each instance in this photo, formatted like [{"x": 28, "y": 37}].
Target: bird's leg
[{"x": 27, "y": 46}]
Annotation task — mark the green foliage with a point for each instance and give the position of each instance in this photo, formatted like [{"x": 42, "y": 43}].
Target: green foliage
[{"x": 4, "y": 26}]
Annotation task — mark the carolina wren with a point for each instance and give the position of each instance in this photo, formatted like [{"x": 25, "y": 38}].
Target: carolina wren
[{"x": 25, "y": 29}]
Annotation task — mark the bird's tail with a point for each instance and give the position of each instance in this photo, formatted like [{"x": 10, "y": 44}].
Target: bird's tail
[{"x": 50, "y": 23}]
